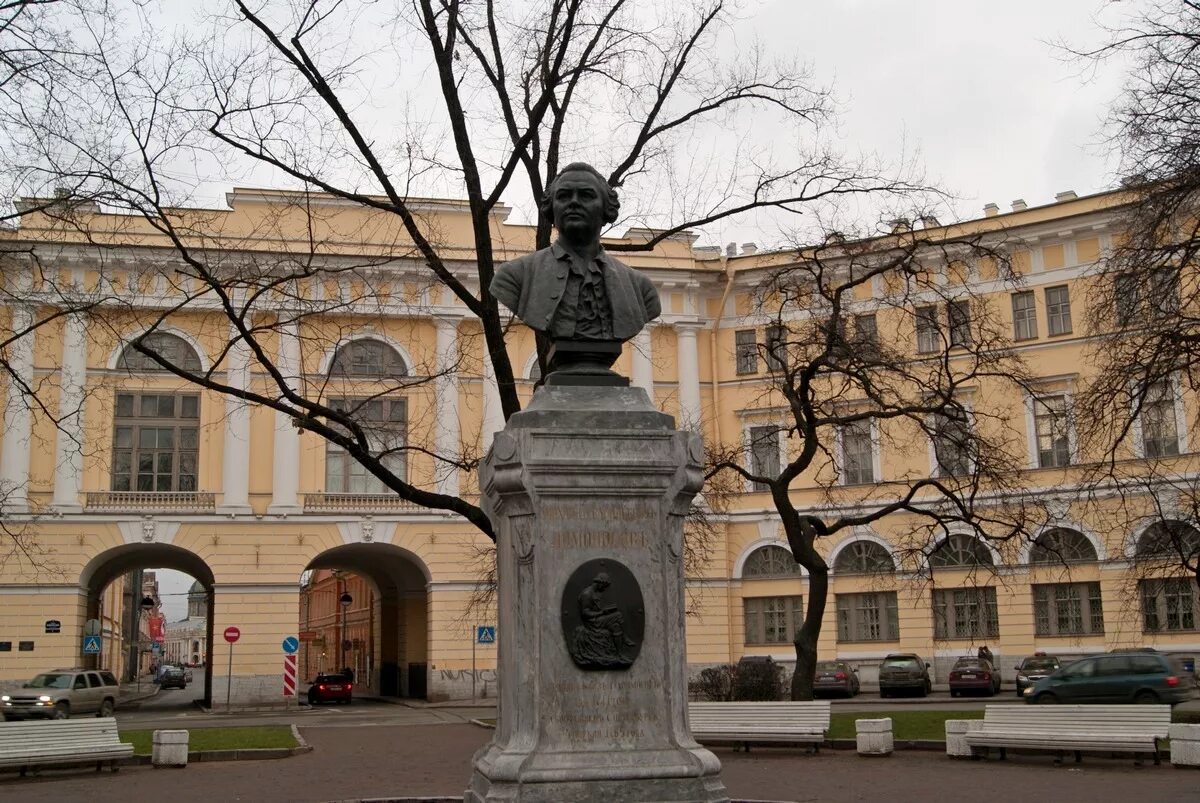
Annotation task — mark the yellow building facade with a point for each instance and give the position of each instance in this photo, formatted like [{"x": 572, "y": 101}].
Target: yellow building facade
[{"x": 154, "y": 472}]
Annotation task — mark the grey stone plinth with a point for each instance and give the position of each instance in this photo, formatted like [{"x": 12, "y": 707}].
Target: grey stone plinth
[
  {"x": 170, "y": 749},
  {"x": 874, "y": 736},
  {"x": 587, "y": 473},
  {"x": 956, "y": 737},
  {"x": 1185, "y": 745}
]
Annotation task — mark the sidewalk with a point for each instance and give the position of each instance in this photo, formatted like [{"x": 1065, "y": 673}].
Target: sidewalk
[
  {"x": 131, "y": 694},
  {"x": 382, "y": 761}
]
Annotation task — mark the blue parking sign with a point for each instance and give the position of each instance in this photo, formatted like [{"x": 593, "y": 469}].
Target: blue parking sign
[
  {"x": 485, "y": 634},
  {"x": 91, "y": 645}
]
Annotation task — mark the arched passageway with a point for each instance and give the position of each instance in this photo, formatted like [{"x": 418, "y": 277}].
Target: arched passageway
[{"x": 383, "y": 638}]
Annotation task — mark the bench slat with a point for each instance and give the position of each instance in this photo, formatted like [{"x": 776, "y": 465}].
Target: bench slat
[{"x": 45, "y": 742}]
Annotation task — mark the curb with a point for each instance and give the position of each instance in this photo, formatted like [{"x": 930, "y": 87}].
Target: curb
[
  {"x": 489, "y": 725},
  {"x": 249, "y": 754}
]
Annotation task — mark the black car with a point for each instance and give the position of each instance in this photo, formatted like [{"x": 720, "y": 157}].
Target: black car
[
  {"x": 172, "y": 677},
  {"x": 1034, "y": 668},
  {"x": 835, "y": 677},
  {"x": 904, "y": 672}
]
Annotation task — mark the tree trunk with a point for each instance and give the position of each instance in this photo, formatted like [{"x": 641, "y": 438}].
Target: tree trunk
[{"x": 809, "y": 634}]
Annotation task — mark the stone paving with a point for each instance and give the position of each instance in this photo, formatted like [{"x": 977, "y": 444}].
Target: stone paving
[{"x": 375, "y": 761}]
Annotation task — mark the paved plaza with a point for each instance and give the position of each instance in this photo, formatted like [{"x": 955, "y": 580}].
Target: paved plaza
[{"x": 386, "y": 760}]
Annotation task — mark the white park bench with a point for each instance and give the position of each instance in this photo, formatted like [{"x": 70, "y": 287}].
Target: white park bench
[
  {"x": 1095, "y": 728},
  {"x": 41, "y": 743},
  {"x": 744, "y": 723}
]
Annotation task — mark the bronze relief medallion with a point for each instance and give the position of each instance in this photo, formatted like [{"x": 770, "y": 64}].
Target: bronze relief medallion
[{"x": 604, "y": 618}]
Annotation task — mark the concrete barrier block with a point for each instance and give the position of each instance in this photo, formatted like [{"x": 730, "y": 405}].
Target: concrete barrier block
[
  {"x": 874, "y": 736},
  {"x": 1185, "y": 745},
  {"x": 170, "y": 748},
  {"x": 956, "y": 736}
]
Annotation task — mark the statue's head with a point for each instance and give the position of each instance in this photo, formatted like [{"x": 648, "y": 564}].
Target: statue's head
[
  {"x": 601, "y": 580},
  {"x": 580, "y": 201}
]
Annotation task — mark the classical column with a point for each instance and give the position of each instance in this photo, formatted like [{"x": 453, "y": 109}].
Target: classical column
[
  {"x": 285, "y": 477},
  {"x": 643, "y": 368},
  {"x": 68, "y": 443},
  {"x": 688, "y": 360},
  {"x": 235, "y": 468},
  {"x": 445, "y": 388},
  {"x": 14, "y": 449},
  {"x": 493, "y": 411}
]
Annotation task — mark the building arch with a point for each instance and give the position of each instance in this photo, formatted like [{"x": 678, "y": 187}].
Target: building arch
[
  {"x": 531, "y": 370},
  {"x": 739, "y": 565},
  {"x": 1029, "y": 555},
  {"x": 114, "y": 357},
  {"x": 839, "y": 551},
  {"x": 1163, "y": 539},
  {"x": 366, "y": 333},
  {"x": 954, "y": 547}
]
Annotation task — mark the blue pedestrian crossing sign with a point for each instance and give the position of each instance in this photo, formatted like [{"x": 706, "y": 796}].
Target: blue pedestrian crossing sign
[
  {"x": 91, "y": 645},
  {"x": 485, "y": 634},
  {"x": 290, "y": 645}
]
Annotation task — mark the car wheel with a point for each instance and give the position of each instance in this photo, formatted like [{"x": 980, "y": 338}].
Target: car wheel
[
  {"x": 62, "y": 710},
  {"x": 1046, "y": 699},
  {"x": 1145, "y": 698},
  {"x": 106, "y": 709},
  {"x": 954, "y": 692}
]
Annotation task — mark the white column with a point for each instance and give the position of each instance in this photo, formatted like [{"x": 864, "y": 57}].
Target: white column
[
  {"x": 285, "y": 476},
  {"x": 445, "y": 388},
  {"x": 643, "y": 368},
  {"x": 688, "y": 360},
  {"x": 235, "y": 468},
  {"x": 14, "y": 448},
  {"x": 68, "y": 442},
  {"x": 493, "y": 411}
]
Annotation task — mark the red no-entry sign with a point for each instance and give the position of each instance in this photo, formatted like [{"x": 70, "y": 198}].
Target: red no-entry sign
[{"x": 232, "y": 634}]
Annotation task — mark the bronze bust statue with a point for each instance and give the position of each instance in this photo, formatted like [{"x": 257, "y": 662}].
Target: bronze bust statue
[{"x": 573, "y": 292}]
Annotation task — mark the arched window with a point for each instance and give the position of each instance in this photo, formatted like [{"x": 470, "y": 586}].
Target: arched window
[
  {"x": 367, "y": 358},
  {"x": 1062, "y": 545},
  {"x": 535, "y": 370},
  {"x": 770, "y": 561},
  {"x": 960, "y": 550},
  {"x": 1169, "y": 539},
  {"x": 172, "y": 348},
  {"x": 863, "y": 557}
]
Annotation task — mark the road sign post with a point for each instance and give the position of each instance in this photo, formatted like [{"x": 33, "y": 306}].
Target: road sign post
[
  {"x": 232, "y": 634},
  {"x": 484, "y": 634},
  {"x": 290, "y": 645}
]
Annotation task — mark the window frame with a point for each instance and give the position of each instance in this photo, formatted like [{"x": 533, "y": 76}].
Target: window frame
[
  {"x": 949, "y": 604},
  {"x": 754, "y": 618},
  {"x": 340, "y": 370},
  {"x": 745, "y": 351},
  {"x": 853, "y": 625},
  {"x": 398, "y": 459},
  {"x": 958, "y": 324},
  {"x": 791, "y": 569},
  {"x": 1055, "y": 315},
  {"x": 936, "y": 468},
  {"x": 1178, "y": 418},
  {"x": 928, "y": 328},
  {"x": 137, "y": 422},
  {"x": 775, "y": 340},
  {"x": 1162, "y": 589},
  {"x": 850, "y": 548},
  {"x": 1048, "y": 611},
  {"x": 873, "y": 462},
  {"x": 1026, "y": 317},
  {"x": 1033, "y": 402},
  {"x": 751, "y": 440}
]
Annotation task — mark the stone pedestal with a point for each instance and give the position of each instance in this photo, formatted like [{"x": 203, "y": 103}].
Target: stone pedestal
[
  {"x": 170, "y": 749},
  {"x": 587, "y": 489},
  {"x": 1185, "y": 745},
  {"x": 874, "y": 736},
  {"x": 956, "y": 737}
]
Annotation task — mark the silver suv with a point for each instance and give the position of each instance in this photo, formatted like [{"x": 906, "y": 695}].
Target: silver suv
[{"x": 61, "y": 693}]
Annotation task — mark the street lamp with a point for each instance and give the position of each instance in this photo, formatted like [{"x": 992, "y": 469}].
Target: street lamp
[{"x": 344, "y": 600}]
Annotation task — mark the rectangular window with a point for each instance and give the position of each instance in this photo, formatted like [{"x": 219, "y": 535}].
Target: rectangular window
[
  {"x": 865, "y": 331},
  {"x": 156, "y": 442},
  {"x": 1127, "y": 293},
  {"x": 1160, "y": 432},
  {"x": 1164, "y": 292},
  {"x": 1052, "y": 430},
  {"x": 1058, "y": 310},
  {"x": 385, "y": 424},
  {"x": 775, "y": 345},
  {"x": 1024, "y": 309},
  {"x": 746, "y": 347},
  {"x": 868, "y": 617},
  {"x": 1068, "y": 609},
  {"x": 929, "y": 339},
  {"x": 958, "y": 313},
  {"x": 858, "y": 453},
  {"x": 952, "y": 443},
  {"x": 1169, "y": 604},
  {"x": 965, "y": 613},
  {"x": 772, "y": 620},
  {"x": 764, "y": 453}
]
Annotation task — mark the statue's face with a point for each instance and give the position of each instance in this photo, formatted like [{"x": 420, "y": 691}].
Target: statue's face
[{"x": 578, "y": 205}]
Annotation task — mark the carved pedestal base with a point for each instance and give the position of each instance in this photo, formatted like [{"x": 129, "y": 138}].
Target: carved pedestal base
[{"x": 588, "y": 489}]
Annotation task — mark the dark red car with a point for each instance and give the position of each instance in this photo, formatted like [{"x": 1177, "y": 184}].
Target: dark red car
[
  {"x": 974, "y": 675},
  {"x": 330, "y": 689}
]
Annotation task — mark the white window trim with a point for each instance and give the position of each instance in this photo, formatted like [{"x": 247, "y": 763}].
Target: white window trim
[
  {"x": 876, "y": 460},
  {"x": 1068, "y": 395},
  {"x": 1182, "y": 436},
  {"x": 747, "y": 485}
]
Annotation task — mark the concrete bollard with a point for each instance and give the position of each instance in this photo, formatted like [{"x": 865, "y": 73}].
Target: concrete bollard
[
  {"x": 170, "y": 749},
  {"x": 874, "y": 736},
  {"x": 1185, "y": 745},
  {"x": 956, "y": 737}
]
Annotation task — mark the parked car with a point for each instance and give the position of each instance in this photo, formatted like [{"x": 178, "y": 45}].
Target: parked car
[
  {"x": 835, "y": 677},
  {"x": 904, "y": 672},
  {"x": 330, "y": 689},
  {"x": 1129, "y": 677},
  {"x": 172, "y": 677},
  {"x": 1033, "y": 668},
  {"x": 61, "y": 693},
  {"x": 971, "y": 674}
]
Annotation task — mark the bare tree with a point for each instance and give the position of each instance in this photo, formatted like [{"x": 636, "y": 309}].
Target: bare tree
[
  {"x": 521, "y": 87},
  {"x": 845, "y": 381}
]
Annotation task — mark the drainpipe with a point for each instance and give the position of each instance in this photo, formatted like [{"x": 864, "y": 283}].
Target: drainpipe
[{"x": 716, "y": 420}]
